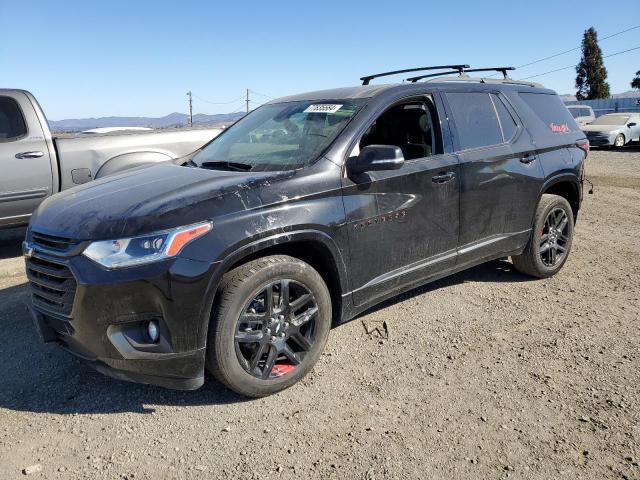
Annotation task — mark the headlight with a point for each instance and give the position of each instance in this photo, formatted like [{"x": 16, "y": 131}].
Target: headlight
[{"x": 126, "y": 252}]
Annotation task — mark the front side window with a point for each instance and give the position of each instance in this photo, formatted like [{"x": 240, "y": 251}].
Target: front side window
[
  {"x": 475, "y": 119},
  {"x": 409, "y": 126},
  {"x": 12, "y": 124},
  {"x": 280, "y": 136}
]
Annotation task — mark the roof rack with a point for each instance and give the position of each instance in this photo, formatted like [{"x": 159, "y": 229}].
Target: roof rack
[
  {"x": 465, "y": 78},
  {"x": 437, "y": 74},
  {"x": 458, "y": 68},
  {"x": 502, "y": 70}
]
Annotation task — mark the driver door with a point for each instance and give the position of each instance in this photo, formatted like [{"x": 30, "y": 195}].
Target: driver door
[{"x": 403, "y": 224}]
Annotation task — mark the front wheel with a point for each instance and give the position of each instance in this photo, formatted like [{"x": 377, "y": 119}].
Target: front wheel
[
  {"x": 550, "y": 241},
  {"x": 269, "y": 325},
  {"x": 619, "y": 141}
]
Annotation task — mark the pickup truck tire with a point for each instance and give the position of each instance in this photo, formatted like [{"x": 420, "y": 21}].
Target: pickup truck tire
[
  {"x": 257, "y": 346},
  {"x": 550, "y": 241}
]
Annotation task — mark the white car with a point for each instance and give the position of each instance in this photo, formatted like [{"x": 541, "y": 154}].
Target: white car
[
  {"x": 613, "y": 129},
  {"x": 583, "y": 114}
]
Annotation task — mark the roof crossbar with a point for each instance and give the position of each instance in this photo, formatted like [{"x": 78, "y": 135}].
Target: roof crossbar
[
  {"x": 437, "y": 74},
  {"x": 502, "y": 70},
  {"x": 458, "y": 68}
]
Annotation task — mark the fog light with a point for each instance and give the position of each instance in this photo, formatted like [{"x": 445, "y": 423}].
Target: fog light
[{"x": 152, "y": 331}]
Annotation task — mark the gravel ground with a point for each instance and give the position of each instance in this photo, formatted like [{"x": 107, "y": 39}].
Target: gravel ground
[{"x": 486, "y": 374}]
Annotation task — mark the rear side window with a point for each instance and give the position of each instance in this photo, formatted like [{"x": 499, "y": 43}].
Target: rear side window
[
  {"x": 475, "y": 118},
  {"x": 550, "y": 110},
  {"x": 507, "y": 122},
  {"x": 12, "y": 124}
]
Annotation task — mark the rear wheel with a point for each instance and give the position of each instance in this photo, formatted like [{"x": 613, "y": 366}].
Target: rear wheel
[
  {"x": 269, "y": 325},
  {"x": 551, "y": 238},
  {"x": 619, "y": 141}
]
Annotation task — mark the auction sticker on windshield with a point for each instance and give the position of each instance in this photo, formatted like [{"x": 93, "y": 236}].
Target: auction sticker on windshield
[{"x": 323, "y": 108}]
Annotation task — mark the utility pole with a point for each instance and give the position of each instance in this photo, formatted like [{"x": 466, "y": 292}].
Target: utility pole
[
  {"x": 247, "y": 100},
  {"x": 190, "y": 108}
]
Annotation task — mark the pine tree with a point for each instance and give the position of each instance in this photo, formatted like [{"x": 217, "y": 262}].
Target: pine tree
[
  {"x": 591, "y": 80},
  {"x": 635, "y": 83}
]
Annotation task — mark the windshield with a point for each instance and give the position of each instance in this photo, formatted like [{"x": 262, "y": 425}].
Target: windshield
[
  {"x": 611, "y": 120},
  {"x": 279, "y": 136}
]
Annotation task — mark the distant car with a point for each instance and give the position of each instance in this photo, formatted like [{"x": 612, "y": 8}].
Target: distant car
[
  {"x": 582, "y": 113},
  {"x": 613, "y": 129},
  {"x": 114, "y": 129}
]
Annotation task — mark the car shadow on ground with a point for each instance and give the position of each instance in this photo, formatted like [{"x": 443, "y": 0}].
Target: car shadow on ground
[
  {"x": 43, "y": 378},
  {"x": 11, "y": 242}
]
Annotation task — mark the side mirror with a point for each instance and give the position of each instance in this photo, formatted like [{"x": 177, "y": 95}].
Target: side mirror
[
  {"x": 376, "y": 157},
  {"x": 632, "y": 124}
]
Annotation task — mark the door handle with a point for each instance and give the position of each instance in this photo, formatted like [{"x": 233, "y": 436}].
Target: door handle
[
  {"x": 443, "y": 177},
  {"x": 29, "y": 155},
  {"x": 527, "y": 159}
]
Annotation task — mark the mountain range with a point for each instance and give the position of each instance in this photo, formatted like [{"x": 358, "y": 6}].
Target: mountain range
[{"x": 169, "y": 121}]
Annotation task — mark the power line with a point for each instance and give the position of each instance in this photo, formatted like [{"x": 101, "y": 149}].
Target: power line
[
  {"x": 574, "y": 66},
  {"x": 571, "y": 49},
  {"x": 262, "y": 95},
  {"x": 218, "y": 103}
]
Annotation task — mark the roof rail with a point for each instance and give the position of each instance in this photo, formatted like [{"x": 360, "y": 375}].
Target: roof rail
[
  {"x": 502, "y": 70},
  {"x": 459, "y": 68},
  {"x": 465, "y": 78}
]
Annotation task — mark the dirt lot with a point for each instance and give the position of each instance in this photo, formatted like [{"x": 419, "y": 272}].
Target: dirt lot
[{"x": 487, "y": 374}]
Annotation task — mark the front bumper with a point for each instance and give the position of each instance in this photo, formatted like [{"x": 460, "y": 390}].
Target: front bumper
[
  {"x": 600, "y": 140},
  {"x": 110, "y": 309}
]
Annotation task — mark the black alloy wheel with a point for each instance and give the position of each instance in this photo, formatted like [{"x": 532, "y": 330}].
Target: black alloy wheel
[{"x": 276, "y": 329}]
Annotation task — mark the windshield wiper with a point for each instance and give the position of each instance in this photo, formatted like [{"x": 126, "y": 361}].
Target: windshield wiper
[{"x": 234, "y": 166}]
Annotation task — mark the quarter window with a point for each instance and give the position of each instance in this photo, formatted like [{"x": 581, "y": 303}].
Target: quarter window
[
  {"x": 475, "y": 118},
  {"x": 12, "y": 124},
  {"x": 507, "y": 122}
]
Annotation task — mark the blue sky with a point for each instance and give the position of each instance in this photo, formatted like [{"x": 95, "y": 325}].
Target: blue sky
[{"x": 139, "y": 57}]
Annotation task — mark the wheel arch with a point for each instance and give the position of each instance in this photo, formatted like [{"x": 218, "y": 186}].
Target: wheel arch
[
  {"x": 567, "y": 186},
  {"x": 316, "y": 248}
]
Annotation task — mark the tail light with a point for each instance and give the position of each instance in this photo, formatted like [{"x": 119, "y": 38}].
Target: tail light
[{"x": 584, "y": 146}]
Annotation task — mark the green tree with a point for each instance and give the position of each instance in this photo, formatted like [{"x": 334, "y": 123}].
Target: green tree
[
  {"x": 635, "y": 83},
  {"x": 591, "y": 79}
]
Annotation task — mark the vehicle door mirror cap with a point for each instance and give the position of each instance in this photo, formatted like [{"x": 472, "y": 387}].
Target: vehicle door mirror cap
[
  {"x": 632, "y": 124},
  {"x": 376, "y": 157}
]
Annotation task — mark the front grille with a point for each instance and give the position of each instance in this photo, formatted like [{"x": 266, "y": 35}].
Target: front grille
[
  {"x": 53, "y": 286},
  {"x": 51, "y": 242}
]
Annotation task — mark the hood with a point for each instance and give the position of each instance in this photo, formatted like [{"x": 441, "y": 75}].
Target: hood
[
  {"x": 151, "y": 199},
  {"x": 600, "y": 128}
]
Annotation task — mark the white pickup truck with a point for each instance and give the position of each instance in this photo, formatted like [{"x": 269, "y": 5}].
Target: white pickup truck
[{"x": 34, "y": 164}]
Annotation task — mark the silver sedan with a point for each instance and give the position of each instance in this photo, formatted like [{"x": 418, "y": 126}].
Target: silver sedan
[{"x": 616, "y": 129}]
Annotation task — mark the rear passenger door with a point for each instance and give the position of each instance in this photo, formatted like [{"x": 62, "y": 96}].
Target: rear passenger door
[{"x": 500, "y": 177}]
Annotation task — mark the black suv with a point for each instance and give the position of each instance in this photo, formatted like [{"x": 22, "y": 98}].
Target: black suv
[{"x": 303, "y": 214}]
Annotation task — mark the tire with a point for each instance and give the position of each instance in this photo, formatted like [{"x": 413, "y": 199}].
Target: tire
[
  {"x": 619, "y": 141},
  {"x": 239, "y": 357},
  {"x": 553, "y": 213}
]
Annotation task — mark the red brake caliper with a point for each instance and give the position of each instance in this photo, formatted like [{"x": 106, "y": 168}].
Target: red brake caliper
[{"x": 282, "y": 369}]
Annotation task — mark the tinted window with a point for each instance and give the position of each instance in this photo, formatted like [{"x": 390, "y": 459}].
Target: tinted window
[
  {"x": 550, "y": 110},
  {"x": 507, "y": 122},
  {"x": 475, "y": 119},
  {"x": 12, "y": 124}
]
